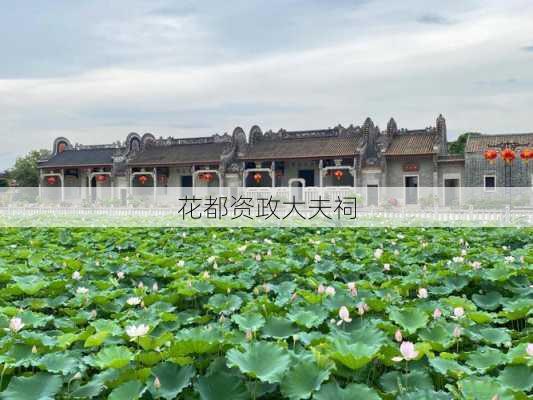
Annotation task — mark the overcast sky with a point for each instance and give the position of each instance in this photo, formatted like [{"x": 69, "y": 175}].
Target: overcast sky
[{"x": 94, "y": 71}]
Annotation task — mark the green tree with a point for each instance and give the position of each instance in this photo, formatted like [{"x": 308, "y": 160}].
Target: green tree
[
  {"x": 458, "y": 147},
  {"x": 25, "y": 170}
]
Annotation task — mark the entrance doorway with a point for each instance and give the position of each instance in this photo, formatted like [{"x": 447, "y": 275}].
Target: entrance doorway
[
  {"x": 372, "y": 195},
  {"x": 411, "y": 189},
  {"x": 296, "y": 187},
  {"x": 186, "y": 185},
  {"x": 308, "y": 175},
  {"x": 451, "y": 192}
]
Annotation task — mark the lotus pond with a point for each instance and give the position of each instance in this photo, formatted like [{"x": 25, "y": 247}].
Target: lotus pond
[{"x": 266, "y": 314}]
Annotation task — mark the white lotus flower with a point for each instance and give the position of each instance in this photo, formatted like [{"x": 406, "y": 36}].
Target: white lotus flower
[
  {"x": 509, "y": 259},
  {"x": 134, "y": 301},
  {"x": 475, "y": 264},
  {"x": 396, "y": 252},
  {"x": 321, "y": 289},
  {"x": 318, "y": 258},
  {"x": 458, "y": 312},
  {"x": 16, "y": 324},
  {"x": 155, "y": 287},
  {"x": 457, "y": 331},
  {"x": 398, "y": 336},
  {"x": 407, "y": 349},
  {"x": 437, "y": 313},
  {"x": 330, "y": 291},
  {"x": 422, "y": 293},
  {"x": 76, "y": 275},
  {"x": 344, "y": 315},
  {"x": 378, "y": 253},
  {"x": 34, "y": 349},
  {"x": 120, "y": 275},
  {"x": 242, "y": 248},
  {"x": 362, "y": 308},
  {"x": 181, "y": 263},
  {"x": 136, "y": 331},
  {"x": 268, "y": 241},
  {"x": 211, "y": 259},
  {"x": 529, "y": 349},
  {"x": 463, "y": 252},
  {"x": 458, "y": 260},
  {"x": 258, "y": 257},
  {"x": 82, "y": 290},
  {"x": 157, "y": 383},
  {"x": 386, "y": 267}
]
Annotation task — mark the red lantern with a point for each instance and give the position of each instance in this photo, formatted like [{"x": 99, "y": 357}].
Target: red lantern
[
  {"x": 508, "y": 155},
  {"x": 258, "y": 177},
  {"x": 101, "y": 178},
  {"x": 51, "y": 180},
  {"x": 143, "y": 179},
  {"x": 208, "y": 177},
  {"x": 491, "y": 155},
  {"x": 338, "y": 174},
  {"x": 526, "y": 154}
]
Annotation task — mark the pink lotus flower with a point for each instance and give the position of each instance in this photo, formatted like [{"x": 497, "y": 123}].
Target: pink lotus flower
[
  {"x": 422, "y": 293},
  {"x": 321, "y": 289},
  {"x": 352, "y": 288},
  {"x": 458, "y": 312},
  {"x": 407, "y": 349},
  {"x": 529, "y": 349},
  {"x": 15, "y": 324},
  {"x": 362, "y": 308},
  {"x": 398, "y": 336},
  {"x": 330, "y": 291},
  {"x": 344, "y": 315},
  {"x": 437, "y": 313}
]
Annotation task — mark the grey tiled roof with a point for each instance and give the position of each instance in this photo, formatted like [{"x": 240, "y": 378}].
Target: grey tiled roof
[
  {"x": 181, "y": 154},
  {"x": 412, "y": 143},
  {"x": 81, "y": 157},
  {"x": 305, "y": 147},
  {"x": 480, "y": 143}
]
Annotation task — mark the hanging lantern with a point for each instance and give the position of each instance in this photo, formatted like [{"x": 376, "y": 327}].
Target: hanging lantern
[
  {"x": 51, "y": 180},
  {"x": 143, "y": 179},
  {"x": 101, "y": 178},
  {"x": 491, "y": 155},
  {"x": 526, "y": 154},
  {"x": 208, "y": 177},
  {"x": 258, "y": 177},
  {"x": 338, "y": 174},
  {"x": 508, "y": 155}
]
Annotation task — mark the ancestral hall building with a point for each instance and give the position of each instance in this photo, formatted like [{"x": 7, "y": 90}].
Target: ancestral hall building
[{"x": 355, "y": 156}]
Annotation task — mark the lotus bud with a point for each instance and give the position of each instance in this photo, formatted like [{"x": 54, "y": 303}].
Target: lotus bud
[
  {"x": 398, "y": 336},
  {"x": 457, "y": 332},
  {"x": 155, "y": 287},
  {"x": 437, "y": 313},
  {"x": 34, "y": 349},
  {"x": 76, "y": 376},
  {"x": 529, "y": 349},
  {"x": 249, "y": 335},
  {"x": 321, "y": 289},
  {"x": 378, "y": 253},
  {"x": 157, "y": 383},
  {"x": 352, "y": 288},
  {"x": 140, "y": 285},
  {"x": 16, "y": 324}
]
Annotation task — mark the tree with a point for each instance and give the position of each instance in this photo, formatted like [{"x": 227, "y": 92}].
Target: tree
[
  {"x": 458, "y": 147},
  {"x": 25, "y": 171}
]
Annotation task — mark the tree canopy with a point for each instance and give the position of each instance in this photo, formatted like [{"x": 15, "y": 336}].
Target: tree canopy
[
  {"x": 25, "y": 171},
  {"x": 458, "y": 147}
]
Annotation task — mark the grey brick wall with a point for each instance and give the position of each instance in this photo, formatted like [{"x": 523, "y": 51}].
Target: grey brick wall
[{"x": 476, "y": 167}]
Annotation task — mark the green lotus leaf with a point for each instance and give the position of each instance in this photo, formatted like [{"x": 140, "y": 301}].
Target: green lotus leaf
[
  {"x": 265, "y": 361},
  {"x": 59, "y": 363},
  {"x": 438, "y": 337},
  {"x": 221, "y": 386},
  {"x": 225, "y": 304},
  {"x": 30, "y": 284},
  {"x": 489, "y": 301},
  {"x": 517, "y": 309},
  {"x": 482, "y": 388},
  {"x": 496, "y": 336},
  {"x": 130, "y": 390},
  {"x": 353, "y": 355},
  {"x": 394, "y": 381},
  {"x": 278, "y": 328},
  {"x": 332, "y": 391},
  {"x": 410, "y": 319},
  {"x": 39, "y": 386},
  {"x": 173, "y": 379},
  {"x": 486, "y": 358},
  {"x": 96, "y": 385},
  {"x": 113, "y": 357},
  {"x": 517, "y": 377},
  {"x": 249, "y": 322},
  {"x": 424, "y": 395},
  {"x": 308, "y": 317},
  {"x": 448, "y": 367},
  {"x": 303, "y": 379},
  {"x": 96, "y": 339}
]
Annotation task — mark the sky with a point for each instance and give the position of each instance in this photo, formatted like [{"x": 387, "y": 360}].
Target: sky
[{"x": 93, "y": 71}]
